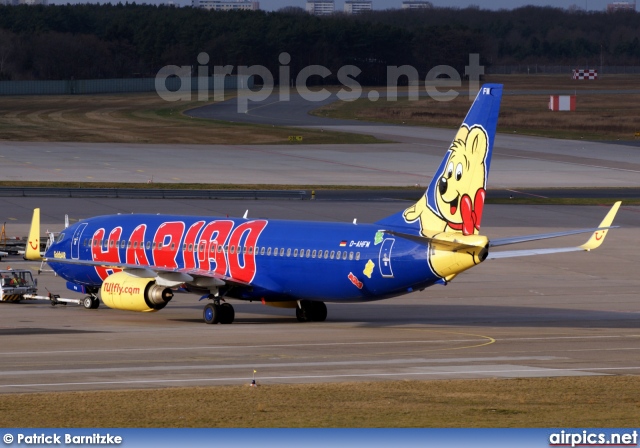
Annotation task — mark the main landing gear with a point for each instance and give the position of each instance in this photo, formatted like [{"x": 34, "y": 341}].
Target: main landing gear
[
  {"x": 308, "y": 310},
  {"x": 218, "y": 313}
]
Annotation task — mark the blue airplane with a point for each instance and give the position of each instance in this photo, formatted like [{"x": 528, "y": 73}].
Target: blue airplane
[{"x": 136, "y": 262}]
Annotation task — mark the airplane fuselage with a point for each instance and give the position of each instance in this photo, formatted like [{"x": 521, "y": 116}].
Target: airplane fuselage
[{"x": 276, "y": 260}]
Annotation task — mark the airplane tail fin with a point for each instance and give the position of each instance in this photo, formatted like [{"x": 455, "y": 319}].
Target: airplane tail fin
[
  {"x": 32, "y": 251},
  {"x": 454, "y": 199}
]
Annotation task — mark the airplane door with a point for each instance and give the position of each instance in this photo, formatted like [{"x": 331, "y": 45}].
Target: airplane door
[
  {"x": 385, "y": 257},
  {"x": 75, "y": 241}
]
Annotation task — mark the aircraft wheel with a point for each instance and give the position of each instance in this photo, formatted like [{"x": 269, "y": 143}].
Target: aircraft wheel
[
  {"x": 87, "y": 302},
  {"x": 301, "y": 314},
  {"x": 318, "y": 311},
  {"x": 227, "y": 313},
  {"x": 211, "y": 313},
  {"x": 95, "y": 303}
]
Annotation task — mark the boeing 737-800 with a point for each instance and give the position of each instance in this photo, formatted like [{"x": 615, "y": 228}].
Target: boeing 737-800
[{"x": 136, "y": 262}]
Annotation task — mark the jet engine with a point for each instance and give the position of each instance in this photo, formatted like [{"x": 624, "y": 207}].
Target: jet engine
[{"x": 125, "y": 292}]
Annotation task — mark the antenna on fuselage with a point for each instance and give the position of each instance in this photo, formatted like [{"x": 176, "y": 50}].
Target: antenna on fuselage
[
  {"x": 245, "y": 214},
  {"x": 355, "y": 221}
]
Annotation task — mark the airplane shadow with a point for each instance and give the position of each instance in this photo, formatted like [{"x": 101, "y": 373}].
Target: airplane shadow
[{"x": 377, "y": 315}]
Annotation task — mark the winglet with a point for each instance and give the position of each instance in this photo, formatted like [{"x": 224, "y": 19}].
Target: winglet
[
  {"x": 32, "y": 251},
  {"x": 598, "y": 236}
]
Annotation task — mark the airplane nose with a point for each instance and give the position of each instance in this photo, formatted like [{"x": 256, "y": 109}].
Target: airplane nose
[{"x": 442, "y": 185}]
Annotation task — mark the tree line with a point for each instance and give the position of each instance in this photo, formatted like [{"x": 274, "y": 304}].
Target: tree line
[{"x": 92, "y": 41}]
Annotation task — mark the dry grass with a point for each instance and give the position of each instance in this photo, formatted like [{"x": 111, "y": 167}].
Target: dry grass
[
  {"x": 597, "y": 116},
  {"x": 135, "y": 118},
  {"x": 607, "y": 401}
]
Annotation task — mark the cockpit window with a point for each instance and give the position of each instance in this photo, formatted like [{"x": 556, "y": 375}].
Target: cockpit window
[{"x": 60, "y": 237}]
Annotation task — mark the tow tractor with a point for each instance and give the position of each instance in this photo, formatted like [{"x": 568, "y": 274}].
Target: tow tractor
[{"x": 18, "y": 284}]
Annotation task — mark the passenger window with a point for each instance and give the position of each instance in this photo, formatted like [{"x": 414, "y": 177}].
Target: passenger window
[
  {"x": 250, "y": 250},
  {"x": 350, "y": 255},
  {"x": 190, "y": 248},
  {"x": 331, "y": 254},
  {"x": 309, "y": 253},
  {"x": 148, "y": 244},
  {"x": 289, "y": 252},
  {"x": 233, "y": 249},
  {"x": 173, "y": 246},
  {"x": 226, "y": 248},
  {"x": 269, "y": 251},
  {"x": 282, "y": 251},
  {"x": 261, "y": 250},
  {"x": 313, "y": 254},
  {"x": 338, "y": 254},
  {"x": 123, "y": 243},
  {"x": 135, "y": 244},
  {"x": 212, "y": 248},
  {"x": 153, "y": 246},
  {"x": 295, "y": 253},
  {"x": 159, "y": 246},
  {"x": 357, "y": 255},
  {"x": 326, "y": 254},
  {"x": 201, "y": 248}
]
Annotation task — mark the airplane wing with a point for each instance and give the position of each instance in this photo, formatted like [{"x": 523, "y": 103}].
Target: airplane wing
[
  {"x": 165, "y": 276},
  {"x": 597, "y": 237}
]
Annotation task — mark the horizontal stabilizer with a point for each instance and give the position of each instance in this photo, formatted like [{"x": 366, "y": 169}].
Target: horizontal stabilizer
[{"x": 450, "y": 241}]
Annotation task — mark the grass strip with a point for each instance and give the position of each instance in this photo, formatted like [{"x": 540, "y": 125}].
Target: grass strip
[
  {"x": 141, "y": 118},
  {"x": 589, "y": 401},
  {"x": 598, "y": 115}
]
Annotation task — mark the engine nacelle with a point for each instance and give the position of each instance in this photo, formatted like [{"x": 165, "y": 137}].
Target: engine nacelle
[{"x": 124, "y": 292}]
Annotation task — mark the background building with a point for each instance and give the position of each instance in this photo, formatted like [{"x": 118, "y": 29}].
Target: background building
[
  {"x": 357, "y": 6},
  {"x": 320, "y": 7},
  {"x": 415, "y": 4},
  {"x": 621, "y": 6},
  {"x": 218, "y": 5}
]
